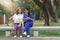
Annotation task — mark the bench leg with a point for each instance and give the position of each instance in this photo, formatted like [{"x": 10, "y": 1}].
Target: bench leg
[
  {"x": 7, "y": 33},
  {"x": 36, "y": 34}
]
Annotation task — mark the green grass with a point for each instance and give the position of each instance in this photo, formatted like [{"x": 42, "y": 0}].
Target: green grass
[
  {"x": 49, "y": 33},
  {"x": 51, "y": 24},
  {"x": 38, "y": 24},
  {"x": 41, "y": 33},
  {"x": 55, "y": 24},
  {"x": 2, "y": 32}
]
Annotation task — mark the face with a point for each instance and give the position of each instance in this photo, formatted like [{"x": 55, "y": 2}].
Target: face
[
  {"x": 26, "y": 11},
  {"x": 20, "y": 11}
]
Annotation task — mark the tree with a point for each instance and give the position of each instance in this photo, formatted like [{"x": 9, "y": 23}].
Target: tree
[
  {"x": 2, "y": 11},
  {"x": 43, "y": 7},
  {"x": 47, "y": 9},
  {"x": 5, "y": 11},
  {"x": 52, "y": 11}
]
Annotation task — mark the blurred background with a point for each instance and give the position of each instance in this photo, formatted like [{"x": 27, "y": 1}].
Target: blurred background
[{"x": 46, "y": 12}]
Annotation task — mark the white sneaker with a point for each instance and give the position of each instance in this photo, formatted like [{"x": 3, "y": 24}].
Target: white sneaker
[
  {"x": 24, "y": 33},
  {"x": 15, "y": 36},
  {"x": 20, "y": 36},
  {"x": 28, "y": 35}
]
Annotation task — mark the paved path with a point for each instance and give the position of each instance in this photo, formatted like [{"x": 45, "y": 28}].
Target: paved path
[{"x": 31, "y": 38}]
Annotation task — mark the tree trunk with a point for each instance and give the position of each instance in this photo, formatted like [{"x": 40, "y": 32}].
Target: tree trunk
[
  {"x": 46, "y": 16},
  {"x": 51, "y": 12},
  {"x": 41, "y": 14},
  {"x": 44, "y": 9}
]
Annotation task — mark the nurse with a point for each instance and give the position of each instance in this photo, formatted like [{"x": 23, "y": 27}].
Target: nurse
[{"x": 28, "y": 18}]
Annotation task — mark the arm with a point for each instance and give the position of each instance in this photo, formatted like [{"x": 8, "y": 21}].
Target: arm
[
  {"x": 11, "y": 18},
  {"x": 28, "y": 18},
  {"x": 31, "y": 17},
  {"x": 25, "y": 19}
]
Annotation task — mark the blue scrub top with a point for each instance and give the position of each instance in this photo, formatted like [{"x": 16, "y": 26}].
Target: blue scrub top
[{"x": 31, "y": 16}]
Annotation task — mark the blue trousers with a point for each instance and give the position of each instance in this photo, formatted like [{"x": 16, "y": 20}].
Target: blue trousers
[{"x": 27, "y": 27}]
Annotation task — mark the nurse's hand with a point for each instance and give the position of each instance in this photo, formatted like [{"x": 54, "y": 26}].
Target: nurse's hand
[{"x": 28, "y": 18}]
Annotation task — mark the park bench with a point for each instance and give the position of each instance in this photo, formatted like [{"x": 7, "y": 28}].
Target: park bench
[{"x": 35, "y": 29}]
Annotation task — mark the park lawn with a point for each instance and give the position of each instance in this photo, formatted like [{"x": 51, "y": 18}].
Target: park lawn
[
  {"x": 42, "y": 32},
  {"x": 49, "y": 33},
  {"x": 51, "y": 24},
  {"x": 55, "y": 24},
  {"x": 2, "y": 32}
]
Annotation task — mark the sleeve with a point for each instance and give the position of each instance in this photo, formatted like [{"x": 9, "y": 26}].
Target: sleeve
[
  {"x": 32, "y": 16},
  {"x": 23, "y": 15},
  {"x": 13, "y": 17}
]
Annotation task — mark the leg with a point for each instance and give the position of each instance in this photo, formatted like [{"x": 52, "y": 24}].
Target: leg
[
  {"x": 15, "y": 29},
  {"x": 24, "y": 27},
  {"x": 27, "y": 29},
  {"x": 20, "y": 31}
]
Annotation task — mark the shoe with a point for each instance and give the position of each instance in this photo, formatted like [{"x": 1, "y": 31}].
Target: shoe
[
  {"x": 20, "y": 36},
  {"x": 24, "y": 33},
  {"x": 28, "y": 35},
  {"x": 15, "y": 36}
]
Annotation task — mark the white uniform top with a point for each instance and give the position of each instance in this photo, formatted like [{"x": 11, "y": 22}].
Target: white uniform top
[{"x": 17, "y": 18}]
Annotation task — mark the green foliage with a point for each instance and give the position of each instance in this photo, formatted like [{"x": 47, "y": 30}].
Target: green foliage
[
  {"x": 37, "y": 16},
  {"x": 59, "y": 11},
  {"x": 2, "y": 11}
]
